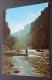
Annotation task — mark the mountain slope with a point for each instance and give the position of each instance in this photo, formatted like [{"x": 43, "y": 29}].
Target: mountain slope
[
  {"x": 22, "y": 36},
  {"x": 23, "y": 32}
]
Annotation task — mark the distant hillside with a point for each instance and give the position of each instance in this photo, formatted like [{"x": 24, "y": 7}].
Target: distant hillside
[
  {"x": 22, "y": 36},
  {"x": 23, "y": 32}
]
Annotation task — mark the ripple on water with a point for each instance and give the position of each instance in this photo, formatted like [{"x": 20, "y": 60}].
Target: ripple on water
[{"x": 26, "y": 68}]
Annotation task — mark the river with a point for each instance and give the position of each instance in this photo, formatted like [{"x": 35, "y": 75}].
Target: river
[{"x": 22, "y": 62}]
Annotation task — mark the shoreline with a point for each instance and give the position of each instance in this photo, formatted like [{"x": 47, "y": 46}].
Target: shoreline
[{"x": 8, "y": 67}]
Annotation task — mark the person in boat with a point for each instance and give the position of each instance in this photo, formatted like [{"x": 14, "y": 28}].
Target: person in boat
[{"x": 26, "y": 50}]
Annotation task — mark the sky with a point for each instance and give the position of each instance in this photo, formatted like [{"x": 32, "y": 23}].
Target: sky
[{"x": 18, "y": 17}]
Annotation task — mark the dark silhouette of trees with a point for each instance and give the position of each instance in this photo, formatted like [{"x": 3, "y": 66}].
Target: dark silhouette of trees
[
  {"x": 11, "y": 41},
  {"x": 40, "y": 30},
  {"x": 6, "y": 30},
  {"x": 8, "y": 41}
]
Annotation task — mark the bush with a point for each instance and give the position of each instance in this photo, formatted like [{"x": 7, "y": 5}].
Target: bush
[
  {"x": 11, "y": 41},
  {"x": 5, "y": 48}
]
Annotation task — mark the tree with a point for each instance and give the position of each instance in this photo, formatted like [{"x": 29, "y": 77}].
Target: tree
[
  {"x": 11, "y": 41},
  {"x": 40, "y": 30},
  {"x": 6, "y": 30}
]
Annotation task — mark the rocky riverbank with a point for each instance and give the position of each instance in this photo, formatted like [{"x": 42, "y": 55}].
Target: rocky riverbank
[
  {"x": 42, "y": 63},
  {"x": 35, "y": 64},
  {"x": 8, "y": 67}
]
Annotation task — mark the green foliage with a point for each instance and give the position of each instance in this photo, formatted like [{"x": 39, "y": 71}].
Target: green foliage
[
  {"x": 40, "y": 30},
  {"x": 11, "y": 41},
  {"x": 21, "y": 42},
  {"x": 28, "y": 39},
  {"x": 5, "y": 48}
]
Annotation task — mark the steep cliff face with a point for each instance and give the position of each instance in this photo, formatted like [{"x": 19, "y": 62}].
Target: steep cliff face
[
  {"x": 40, "y": 30},
  {"x": 6, "y": 30}
]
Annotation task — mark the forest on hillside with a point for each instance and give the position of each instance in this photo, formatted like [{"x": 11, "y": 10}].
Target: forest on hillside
[
  {"x": 36, "y": 37},
  {"x": 39, "y": 31},
  {"x": 8, "y": 41}
]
